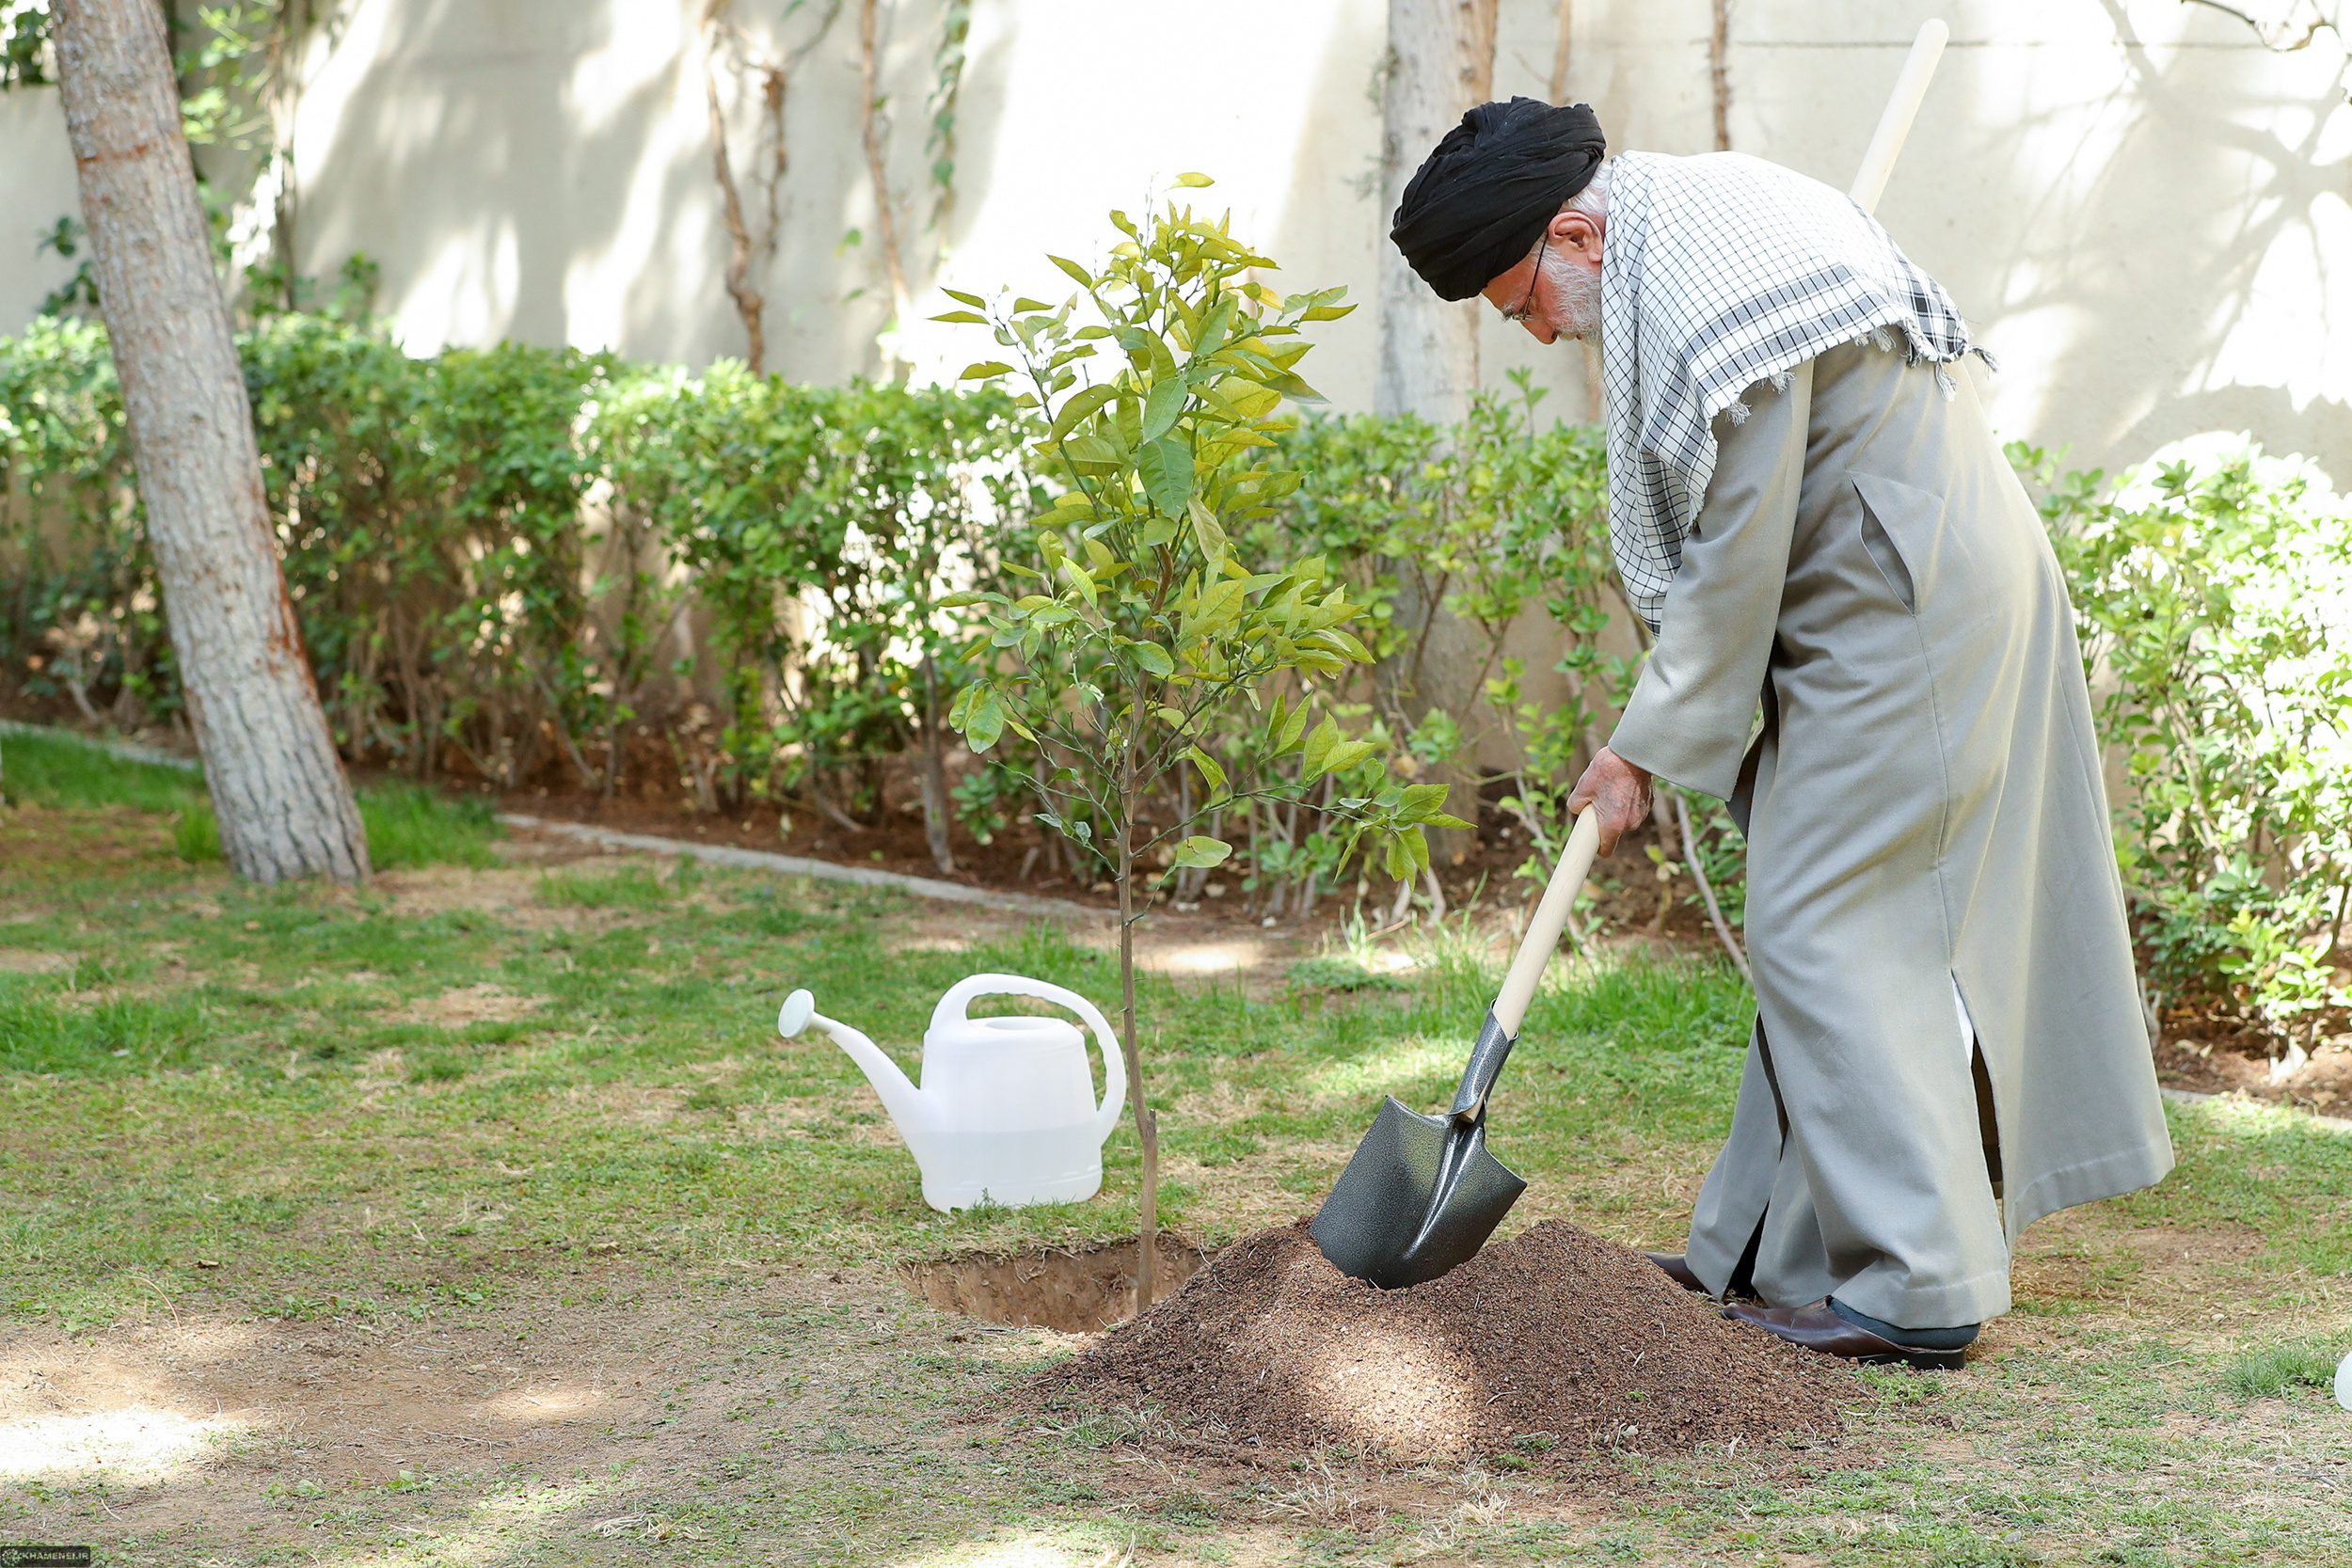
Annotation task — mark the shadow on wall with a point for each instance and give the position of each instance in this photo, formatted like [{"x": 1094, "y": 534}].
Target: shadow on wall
[
  {"x": 542, "y": 170},
  {"x": 1329, "y": 232},
  {"x": 37, "y": 188},
  {"x": 2184, "y": 280}
]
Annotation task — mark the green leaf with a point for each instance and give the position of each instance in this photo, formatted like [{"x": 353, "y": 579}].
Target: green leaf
[
  {"x": 1210, "y": 769},
  {"x": 1155, "y": 658},
  {"x": 983, "y": 369},
  {"x": 961, "y": 298},
  {"x": 1213, "y": 544},
  {"x": 1166, "y": 468},
  {"x": 1419, "y": 801},
  {"x": 1026, "y": 304},
  {"x": 1319, "y": 746},
  {"x": 1163, "y": 408},
  {"x": 961, "y": 316},
  {"x": 1086, "y": 279},
  {"x": 1202, "y": 851},
  {"x": 985, "y": 723},
  {"x": 1214, "y": 327},
  {"x": 1081, "y": 408},
  {"x": 1340, "y": 758},
  {"x": 1219, "y": 607},
  {"x": 1193, "y": 181}
]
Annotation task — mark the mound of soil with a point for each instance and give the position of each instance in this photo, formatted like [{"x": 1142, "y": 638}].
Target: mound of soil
[{"x": 1555, "y": 1337}]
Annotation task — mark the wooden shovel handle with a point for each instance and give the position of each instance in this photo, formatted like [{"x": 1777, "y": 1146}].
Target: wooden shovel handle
[
  {"x": 1903, "y": 106},
  {"x": 1543, "y": 931}
]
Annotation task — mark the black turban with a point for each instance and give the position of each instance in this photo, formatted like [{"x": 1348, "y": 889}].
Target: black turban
[{"x": 1497, "y": 179}]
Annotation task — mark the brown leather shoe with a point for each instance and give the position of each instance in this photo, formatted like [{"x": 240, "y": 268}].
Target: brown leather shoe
[
  {"x": 1816, "y": 1328},
  {"x": 1675, "y": 1268}
]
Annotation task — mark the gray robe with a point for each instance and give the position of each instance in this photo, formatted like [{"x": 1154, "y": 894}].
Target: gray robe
[{"x": 1925, "y": 815}]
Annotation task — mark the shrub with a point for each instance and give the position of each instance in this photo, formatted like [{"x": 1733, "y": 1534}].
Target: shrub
[
  {"x": 505, "y": 560},
  {"x": 2213, "y": 592},
  {"x": 1488, "y": 522}
]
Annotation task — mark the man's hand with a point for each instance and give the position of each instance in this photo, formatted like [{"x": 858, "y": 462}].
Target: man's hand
[{"x": 1618, "y": 790}]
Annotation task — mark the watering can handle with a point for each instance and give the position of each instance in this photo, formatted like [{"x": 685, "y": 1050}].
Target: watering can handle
[{"x": 951, "y": 1011}]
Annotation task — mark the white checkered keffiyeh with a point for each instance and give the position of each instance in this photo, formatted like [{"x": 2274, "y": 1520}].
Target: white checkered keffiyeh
[{"x": 1718, "y": 272}]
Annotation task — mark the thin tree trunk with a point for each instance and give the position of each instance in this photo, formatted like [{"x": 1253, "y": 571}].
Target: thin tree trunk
[
  {"x": 284, "y": 806},
  {"x": 1560, "y": 52},
  {"x": 936, "y": 816},
  {"x": 1147, "y": 1125},
  {"x": 1707, "y": 890},
  {"x": 749, "y": 302},
  {"x": 1662, "y": 815},
  {"x": 1441, "y": 63},
  {"x": 877, "y": 162},
  {"x": 1718, "y": 74}
]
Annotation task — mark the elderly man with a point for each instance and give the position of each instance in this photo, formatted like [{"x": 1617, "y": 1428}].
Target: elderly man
[{"x": 1812, "y": 514}]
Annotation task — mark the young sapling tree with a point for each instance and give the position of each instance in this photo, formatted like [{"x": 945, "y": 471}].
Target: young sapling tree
[{"x": 1158, "y": 403}]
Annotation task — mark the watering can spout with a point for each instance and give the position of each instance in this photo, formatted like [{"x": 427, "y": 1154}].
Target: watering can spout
[{"x": 918, "y": 1117}]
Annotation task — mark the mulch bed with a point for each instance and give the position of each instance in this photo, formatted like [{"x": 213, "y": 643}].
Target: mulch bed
[{"x": 1546, "y": 1347}]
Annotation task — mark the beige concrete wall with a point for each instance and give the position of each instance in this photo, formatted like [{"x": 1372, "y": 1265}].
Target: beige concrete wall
[
  {"x": 2135, "y": 203},
  {"x": 37, "y": 188}
]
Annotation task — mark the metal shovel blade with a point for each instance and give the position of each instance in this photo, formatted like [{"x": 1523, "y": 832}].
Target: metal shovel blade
[{"x": 1422, "y": 1194}]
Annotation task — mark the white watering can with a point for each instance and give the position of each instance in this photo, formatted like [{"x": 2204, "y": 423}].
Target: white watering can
[{"x": 1007, "y": 1113}]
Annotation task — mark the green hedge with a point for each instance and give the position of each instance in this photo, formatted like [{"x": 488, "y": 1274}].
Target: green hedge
[
  {"x": 508, "y": 555},
  {"x": 507, "y": 560},
  {"x": 2215, "y": 598}
]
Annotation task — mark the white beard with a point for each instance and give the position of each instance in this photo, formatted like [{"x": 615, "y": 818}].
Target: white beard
[{"x": 1575, "y": 297}]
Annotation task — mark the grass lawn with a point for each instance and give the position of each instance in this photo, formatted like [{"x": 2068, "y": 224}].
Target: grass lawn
[{"x": 478, "y": 1217}]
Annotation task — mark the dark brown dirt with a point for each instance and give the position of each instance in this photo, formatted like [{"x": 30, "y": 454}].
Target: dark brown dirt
[
  {"x": 1075, "y": 1290},
  {"x": 1554, "y": 1342}
]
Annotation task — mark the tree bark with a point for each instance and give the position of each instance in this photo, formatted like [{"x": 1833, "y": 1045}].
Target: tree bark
[
  {"x": 870, "y": 129},
  {"x": 938, "y": 810},
  {"x": 1718, "y": 74},
  {"x": 1560, "y": 42},
  {"x": 284, "y": 806},
  {"x": 750, "y": 303},
  {"x": 1147, "y": 1125},
  {"x": 1441, "y": 64}
]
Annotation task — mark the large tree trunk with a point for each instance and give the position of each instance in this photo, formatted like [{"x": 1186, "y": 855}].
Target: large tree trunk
[
  {"x": 284, "y": 806},
  {"x": 1441, "y": 64}
]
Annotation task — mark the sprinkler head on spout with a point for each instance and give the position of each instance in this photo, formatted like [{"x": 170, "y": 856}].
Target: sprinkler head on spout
[{"x": 794, "y": 1015}]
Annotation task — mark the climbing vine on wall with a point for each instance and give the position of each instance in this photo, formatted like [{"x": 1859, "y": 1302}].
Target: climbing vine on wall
[{"x": 955, "y": 33}]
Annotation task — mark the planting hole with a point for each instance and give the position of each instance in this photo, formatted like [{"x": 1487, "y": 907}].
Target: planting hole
[{"x": 1075, "y": 1290}]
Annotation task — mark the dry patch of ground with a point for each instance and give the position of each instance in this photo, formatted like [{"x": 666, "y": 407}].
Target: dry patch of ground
[
  {"x": 617, "y": 1397},
  {"x": 483, "y": 1003}
]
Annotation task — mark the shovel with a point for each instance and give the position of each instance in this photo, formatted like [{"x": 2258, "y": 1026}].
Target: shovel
[{"x": 1422, "y": 1193}]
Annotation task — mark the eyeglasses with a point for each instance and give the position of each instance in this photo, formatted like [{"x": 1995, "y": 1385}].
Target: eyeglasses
[{"x": 1527, "y": 306}]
